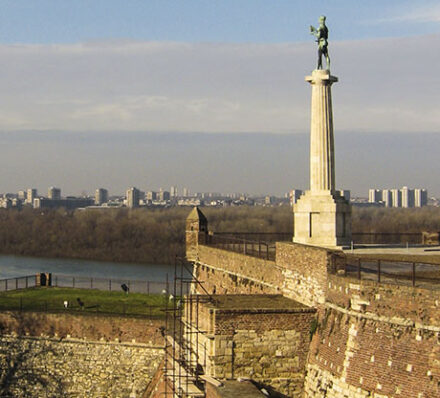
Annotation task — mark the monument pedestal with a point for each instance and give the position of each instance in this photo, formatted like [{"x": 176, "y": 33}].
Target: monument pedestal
[{"x": 322, "y": 218}]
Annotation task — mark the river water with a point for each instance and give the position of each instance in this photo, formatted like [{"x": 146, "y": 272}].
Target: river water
[{"x": 16, "y": 266}]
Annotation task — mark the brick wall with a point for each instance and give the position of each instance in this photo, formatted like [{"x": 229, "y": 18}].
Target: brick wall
[
  {"x": 376, "y": 340},
  {"x": 396, "y": 302},
  {"x": 89, "y": 326},
  {"x": 271, "y": 348}
]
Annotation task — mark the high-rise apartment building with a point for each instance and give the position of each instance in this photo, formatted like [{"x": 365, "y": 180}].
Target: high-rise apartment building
[
  {"x": 54, "y": 193},
  {"x": 22, "y": 195},
  {"x": 374, "y": 195},
  {"x": 420, "y": 197},
  {"x": 173, "y": 192},
  {"x": 294, "y": 195},
  {"x": 133, "y": 196},
  {"x": 31, "y": 195},
  {"x": 387, "y": 198},
  {"x": 101, "y": 196},
  {"x": 403, "y": 197},
  {"x": 185, "y": 192},
  {"x": 396, "y": 197},
  {"x": 407, "y": 197},
  {"x": 164, "y": 195},
  {"x": 151, "y": 195},
  {"x": 345, "y": 193}
]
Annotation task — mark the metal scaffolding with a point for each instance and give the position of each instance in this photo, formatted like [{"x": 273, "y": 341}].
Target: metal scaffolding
[{"x": 183, "y": 366}]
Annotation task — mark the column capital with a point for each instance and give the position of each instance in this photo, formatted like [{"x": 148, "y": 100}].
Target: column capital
[{"x": 321, "y": 76}]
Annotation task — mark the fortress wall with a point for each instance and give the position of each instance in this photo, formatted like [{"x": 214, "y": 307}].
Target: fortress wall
[
  {"x": 90, "y": 326},
  {"x": 224, "y": 272},
  {"x": 304, "y": 271},
  {"x": 299, "y": 272},
  {"x": 53, "y": 367},
  {"x": 373, "y": 339},
  {"x": 356, "y": 355},
  {"x": 271, "y": 348},
  {"x": 376, "y": 340},
  {"x": 398, "y": 303}
]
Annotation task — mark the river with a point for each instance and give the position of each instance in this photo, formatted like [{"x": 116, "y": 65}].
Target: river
[{"x": 16, "y": 266}]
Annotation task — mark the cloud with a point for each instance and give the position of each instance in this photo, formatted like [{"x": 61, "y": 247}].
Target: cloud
[
  {"x": 419, "y": 14},
  {"x": 385, "y": 85}
]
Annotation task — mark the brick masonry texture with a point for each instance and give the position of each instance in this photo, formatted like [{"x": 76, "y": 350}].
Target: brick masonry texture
[
  {"x": 93, "y": 327},
  {"x": 48, "y": 367},
  {"x": 373, "y": 339}
]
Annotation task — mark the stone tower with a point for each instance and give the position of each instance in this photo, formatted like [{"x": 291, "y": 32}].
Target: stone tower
[
  {"x": 196, "y": 232},
  {"x": 322, "y": 217}
]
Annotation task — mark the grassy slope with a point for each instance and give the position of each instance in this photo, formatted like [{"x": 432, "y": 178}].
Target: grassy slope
[{"x": 52, "y": 299}]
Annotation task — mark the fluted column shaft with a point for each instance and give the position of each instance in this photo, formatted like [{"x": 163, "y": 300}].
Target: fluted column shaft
[{"x": 322, "y": 154}]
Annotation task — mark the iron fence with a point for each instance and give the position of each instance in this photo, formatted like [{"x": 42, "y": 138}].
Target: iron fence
[
  {"x": 83, "y": 282},
  {"x": 391, "y": 271},
  {"x": 254, "y": 248},
  {"x": 393, "y": 238},
  {"x": 22, "y": 282}
]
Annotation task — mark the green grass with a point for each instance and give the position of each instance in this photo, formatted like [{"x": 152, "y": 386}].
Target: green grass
[{"x": 95, "y": 301}]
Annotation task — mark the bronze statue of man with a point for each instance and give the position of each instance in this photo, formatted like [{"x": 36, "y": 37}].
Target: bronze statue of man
[{"x": 321, "y": 35}]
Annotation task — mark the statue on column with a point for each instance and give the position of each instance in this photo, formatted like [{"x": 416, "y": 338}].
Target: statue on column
[{"x": 321, "y": 35}]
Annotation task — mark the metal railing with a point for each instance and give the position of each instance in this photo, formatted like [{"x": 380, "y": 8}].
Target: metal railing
[
  {"x": 255, "y": 248},
  {"x": 22, "y": 282},
  {"x": 409, "y": 273},
  {"x": 258, "y": 236},
  {"x": 393, "y": 238},
  {"x": 82, "y": 282}
]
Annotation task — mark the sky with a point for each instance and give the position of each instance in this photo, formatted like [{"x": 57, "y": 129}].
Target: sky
[{"x": 86, "y": 84}]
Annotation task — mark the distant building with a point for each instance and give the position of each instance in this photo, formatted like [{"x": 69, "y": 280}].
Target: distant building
[
  {"x": 374, "y": 195},
  {"x": 420, "y": 197},
  {"x": 345, "y": 193},
  {"x": 54, "y": 193},
  {"x": 164, "y": 196},
  {"x": 396, "y": 198},
  {"x": 101, "y": 196},
  {"x": 407, "y": 197},
  {"x": 31, "y": 195},
  {"x": 185, "y": 192},
  {"x": 133, "y": 197},
  {"x": 387, "y": 197},
  {"x": 69, "y": 203},
  {"x": 403, "y": 197},
  {"x": 268, "y": 200},
  {"x": 151, "y": 195},
  {"x": 294, "y": 195},
  {"x": 22, "y": 195},
  {"x": 173, "y": 192}
]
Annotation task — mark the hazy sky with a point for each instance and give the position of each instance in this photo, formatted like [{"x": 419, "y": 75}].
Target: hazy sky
[{"x": 86, "y": 84}]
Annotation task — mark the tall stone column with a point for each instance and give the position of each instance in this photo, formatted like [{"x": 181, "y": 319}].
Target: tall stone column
[
  {"x": 322, "y": 153},
  {"x": 322, "y": 217}
]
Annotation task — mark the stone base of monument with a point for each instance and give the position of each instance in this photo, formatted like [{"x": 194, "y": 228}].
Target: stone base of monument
[{"x": 322, "y": 218}]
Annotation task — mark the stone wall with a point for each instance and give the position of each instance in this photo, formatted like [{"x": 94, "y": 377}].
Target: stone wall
[
  {"x": 305, "y": 270},
  {"x": 299, "y": 272},
  {"x": 269, "y": 348},
  {"x": 53, "y": 367}
]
